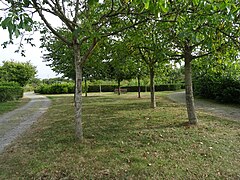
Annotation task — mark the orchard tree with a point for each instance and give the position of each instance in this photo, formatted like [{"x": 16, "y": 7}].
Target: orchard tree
[
  {"x": 20, "y": 72},
  {"x": 118, "y": 59},
  {"x": 87, "y": 21},
  {"x": 151, "y": 49},
  {"x": 200, "y": 28},
  {"x": 203, "y": 28}
]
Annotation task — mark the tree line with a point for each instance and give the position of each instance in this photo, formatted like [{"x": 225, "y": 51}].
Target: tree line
[{"x": 147, "y": 34}]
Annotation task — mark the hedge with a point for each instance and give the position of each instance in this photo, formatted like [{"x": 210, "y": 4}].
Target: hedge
[
  {"x": 221, "y": 89},
  {"x": 10, "y": 91},
  {"x": 162, "y": 87},
  {"x": 104, "y": 88},
  {"x": 56, "y": 88}
]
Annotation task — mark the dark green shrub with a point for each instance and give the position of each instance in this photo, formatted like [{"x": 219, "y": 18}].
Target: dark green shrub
[
  {"x": 10, "y": 91},
  {"x": 57, "y": 88},
  {"x": 222, "y": 89},
  {"x": 104, "y": 88}
]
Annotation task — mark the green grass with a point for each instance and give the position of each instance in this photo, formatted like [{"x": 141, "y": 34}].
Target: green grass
[
  {"x": 11, "y": 105},
  {"x": 124, "y": 139}
]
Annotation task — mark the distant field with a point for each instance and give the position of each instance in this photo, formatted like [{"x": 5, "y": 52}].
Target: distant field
[{"x": 124, "y": 139}]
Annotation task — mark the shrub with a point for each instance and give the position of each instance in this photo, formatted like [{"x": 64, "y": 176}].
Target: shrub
[
  {"x": 57, "y": 88},
  {"x": 10, "y": 91},
  {"x": 104, "y": 88},
  {"x": 162, "y": 87},
  {"x": 222, "y": 89}
]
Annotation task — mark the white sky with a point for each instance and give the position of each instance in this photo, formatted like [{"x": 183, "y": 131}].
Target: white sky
[{"x": 32, "y": 54}]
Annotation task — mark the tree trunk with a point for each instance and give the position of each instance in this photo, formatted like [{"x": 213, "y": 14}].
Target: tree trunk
[
  {"x": 189, "y": 91},
  {"x": 139, "y": 86},
  {"x": 100, "y": 88},
  {"x": 85, "y": 87},
  {"x": 152, "y": 88},
  {"x": 119, "y": 92},
  {"x": 78, "y": 93}
]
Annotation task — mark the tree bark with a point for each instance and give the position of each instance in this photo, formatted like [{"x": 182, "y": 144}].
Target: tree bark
[
  {"x": 119, "y": 92},
  {"x": 152, "y": 88},
  {"x": 189, "y": 91},
  {"x": 139, "y": 86},
  {"x": 78, "y": 93},
  {"x": 85, "y": 87}
]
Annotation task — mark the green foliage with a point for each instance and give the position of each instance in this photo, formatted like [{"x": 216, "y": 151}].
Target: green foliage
[
  {"x": 56, "y": 88},
  {"x": 21, "y": 72},
  {"x": 10, "y": 91},
  {"x": 223, "y": 89},
  {"x": 104, "y": 88},
  {"x": 162, "y": 87}
]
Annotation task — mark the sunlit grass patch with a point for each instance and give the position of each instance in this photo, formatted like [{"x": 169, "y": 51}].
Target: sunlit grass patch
[{"x": 124, "y": 139}]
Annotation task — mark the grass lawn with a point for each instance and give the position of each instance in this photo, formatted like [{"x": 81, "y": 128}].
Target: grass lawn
[
  {"x": 11, "y": 105},
  {"x": 124, "y": 139}
]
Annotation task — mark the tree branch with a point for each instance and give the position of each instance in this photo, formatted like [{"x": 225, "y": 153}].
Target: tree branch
[{"x": 36, "y": 6}]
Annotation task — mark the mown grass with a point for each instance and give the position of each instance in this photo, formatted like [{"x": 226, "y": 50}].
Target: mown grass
[
  {"x": 124, "y": 139},
  {"x": 11, "y": 105}
]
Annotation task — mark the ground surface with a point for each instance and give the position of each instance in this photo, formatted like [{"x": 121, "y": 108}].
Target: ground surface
[
  {"x": 124, "y": 139},
  {"x": 13, "y": 123},
  {"x": 220, "y": 110}
]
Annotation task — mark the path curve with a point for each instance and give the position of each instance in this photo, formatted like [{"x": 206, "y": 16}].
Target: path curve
[
  {"x": 219, "y": 110},
  {"x": 14, "y": 123}
]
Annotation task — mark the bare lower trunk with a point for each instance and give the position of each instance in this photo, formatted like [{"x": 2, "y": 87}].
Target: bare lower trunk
[
  {"x": 139, "y": 87},
  {"x": 85, "y": 87},
  {"x": 189, "y": 93},
  {"x": 152, "y": 89},
  {"x": 78, "y": 94},
  {"x": 119, "y": 91}
]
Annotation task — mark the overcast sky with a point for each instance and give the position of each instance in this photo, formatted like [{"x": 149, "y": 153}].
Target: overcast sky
[{"x": 33, "y": 54}]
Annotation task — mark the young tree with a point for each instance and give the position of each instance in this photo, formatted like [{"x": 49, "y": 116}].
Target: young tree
[
  {"x": 202, "y": 28},
  {"x": 87, "y": 23},
  {"x": 20, "y": 72}
]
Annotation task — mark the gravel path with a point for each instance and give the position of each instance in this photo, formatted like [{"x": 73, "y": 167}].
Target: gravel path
[
  {"x": 14, "y": 123},
  {"x": 219, "y": 110}
]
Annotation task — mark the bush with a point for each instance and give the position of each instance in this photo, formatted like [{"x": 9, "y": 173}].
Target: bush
[
  {"x": 10, "y": 91},
  {"x": 55, "y": 88},
  {"x": 104, "y": 88},
  {"x": 162, "y": 87},
  {"x": 221, "y": 89}
]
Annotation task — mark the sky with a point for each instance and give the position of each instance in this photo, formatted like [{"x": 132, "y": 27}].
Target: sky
[{"x": 33, "y": 54}]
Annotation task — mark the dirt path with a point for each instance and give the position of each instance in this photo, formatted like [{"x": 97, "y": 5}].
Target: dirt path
[
  {"x": 13, "y": 123},
  {"x": 219, "y": 110}
]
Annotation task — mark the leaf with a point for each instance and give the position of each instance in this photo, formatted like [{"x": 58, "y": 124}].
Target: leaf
[
  {"x": 195, "y": 2},
  {"x": 146, "y": 4}
]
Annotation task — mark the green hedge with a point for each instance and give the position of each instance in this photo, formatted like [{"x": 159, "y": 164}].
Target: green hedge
[
  {"x": 221, "y": 89},
  {"x": 10, "y": 91},
  {"x": 162, "y": 87},
  {"x": 56, "y": 88},
  {"x": 104, "y": 88}
]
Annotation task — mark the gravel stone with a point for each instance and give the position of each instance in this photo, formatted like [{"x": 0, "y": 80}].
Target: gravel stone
[{"x": 14, "y": 123}]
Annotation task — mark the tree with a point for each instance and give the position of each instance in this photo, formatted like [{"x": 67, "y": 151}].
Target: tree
[
  {"x": 20, "y": 72},
  {"x": 87, "y": 23},
  {"x": 202, "y": 28},
  {"x": 151, "y": 49}
]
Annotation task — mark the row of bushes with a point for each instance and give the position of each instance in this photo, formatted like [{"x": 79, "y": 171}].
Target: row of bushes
[
  {"x": 222, "y": 89},
  {"x": 57, "y": 88},
  {"x": 10, "y": 91},
  {"x": 69, "y": 88}
]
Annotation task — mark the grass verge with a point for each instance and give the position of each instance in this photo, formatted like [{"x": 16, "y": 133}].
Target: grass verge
[
  {"x": 124, "y": 139},
  {"x": 11, "y": 105}
]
